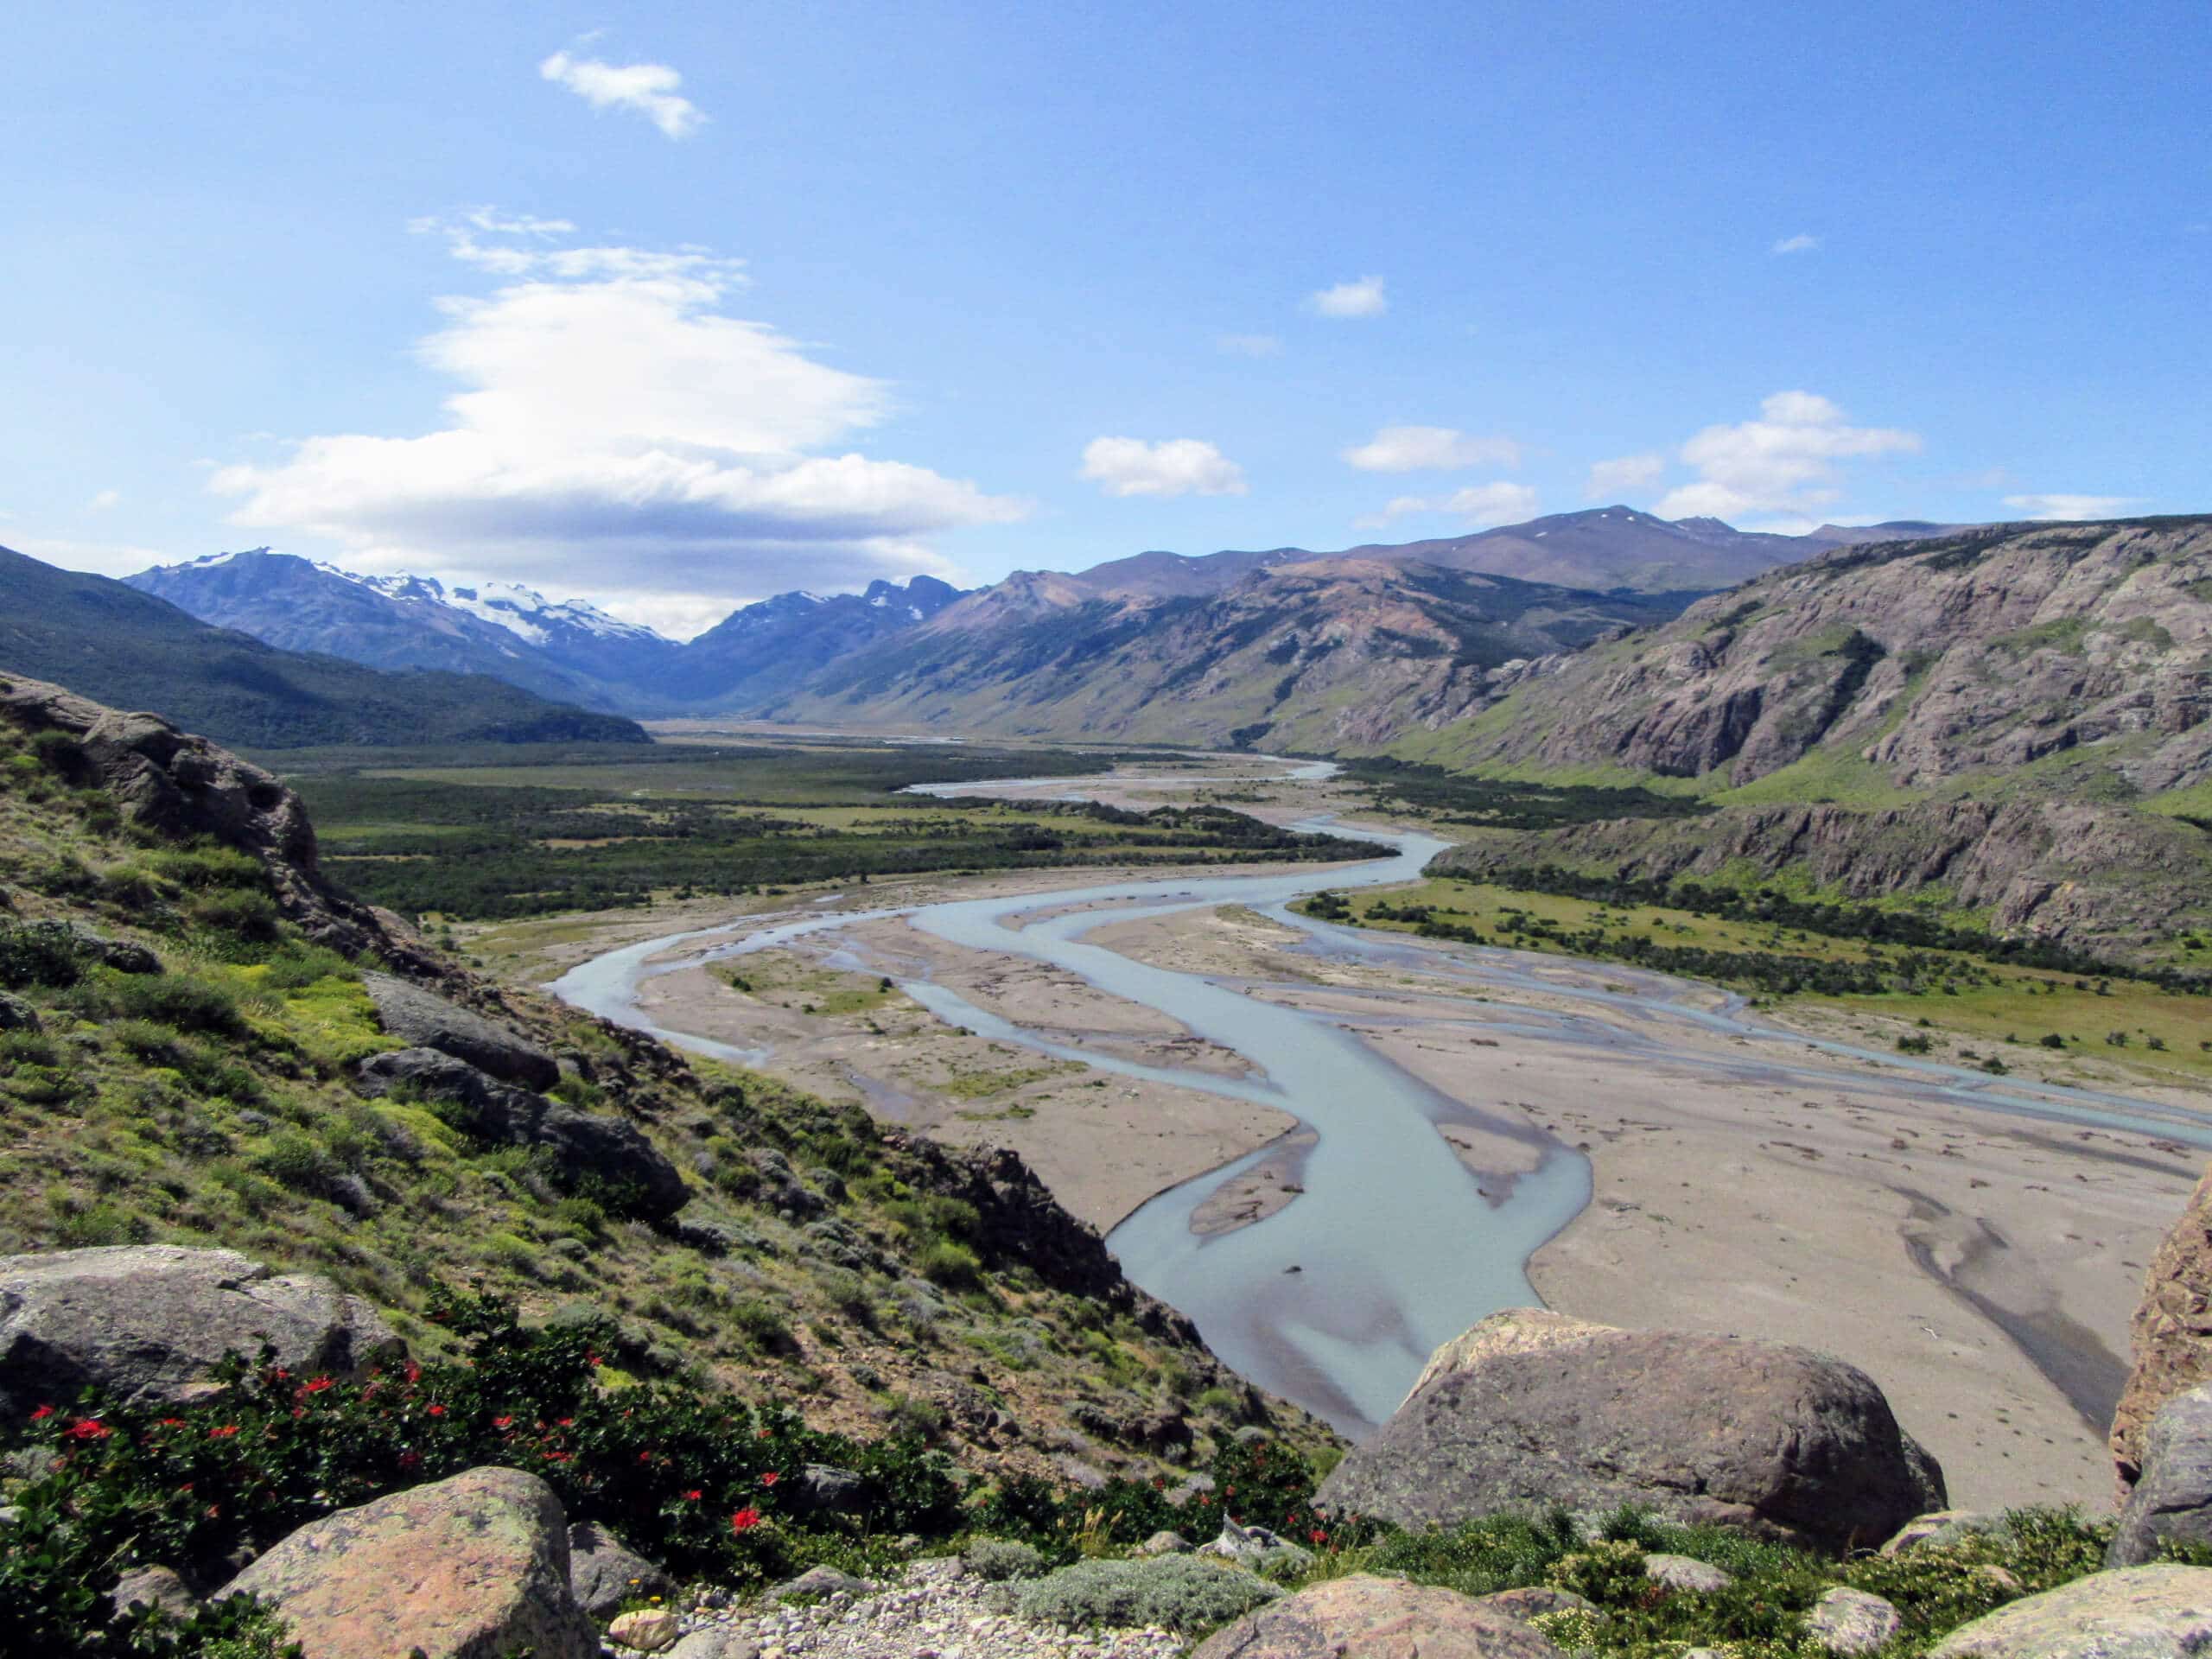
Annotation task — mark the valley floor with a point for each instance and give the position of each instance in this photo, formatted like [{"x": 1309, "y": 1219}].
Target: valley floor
[{"x": 1980, "y": 1266}]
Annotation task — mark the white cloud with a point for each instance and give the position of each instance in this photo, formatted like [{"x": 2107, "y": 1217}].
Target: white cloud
[
  {"x": 103, "y": 500},
  {"x": 101, "y": 558},
  {"x": 648, "y": 88},
  {"x": 1250, "y": 346},
  {"x": 1801, "y": 243},
  {"x": 1363, "y": 298},
  {"x": 1784, "y": 463},
  {"x": 1479, "y": 506},
  {"x": 2060, "y": 507},
  {"x": 1624, "y": 475},
  {"x": 1172, "y": 467},
  {"x": 1430, "y": 449},
  {"x": 615, "y": 428}
]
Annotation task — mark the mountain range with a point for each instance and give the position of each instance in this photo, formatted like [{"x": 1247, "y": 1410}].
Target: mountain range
[
  {"x": 106, "y": 640},
  {"x": 922, "y": 650}
]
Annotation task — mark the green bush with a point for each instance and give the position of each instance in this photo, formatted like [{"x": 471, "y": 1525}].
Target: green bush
[
  {"x": 207, "y": 868},
  {"x": 174, "y": 999},
  {"x": 38, "y": 955},
  {"x": 953, "y": 1266},
  {"x": 1180, "y": 1592}
]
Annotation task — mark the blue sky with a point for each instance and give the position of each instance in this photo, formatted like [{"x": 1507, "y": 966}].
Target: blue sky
[{"x": 677, "y": 308}]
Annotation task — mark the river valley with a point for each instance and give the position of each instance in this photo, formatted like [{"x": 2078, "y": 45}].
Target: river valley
[{"x": 1335, "y": 1149}]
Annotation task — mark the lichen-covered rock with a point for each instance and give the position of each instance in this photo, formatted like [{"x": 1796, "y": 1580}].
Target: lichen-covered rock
[
  {"x": 612, "y": 1152},
  {"x": 1941, "y": 1527},
  {"x": 1686, "y": 1573},
  {"x": 1257, "y": 1550},
  {"x": 648, "y": 1631},
  {"x": 425, "y": 1019},
  {"x": 604, "y": 1571},
  {"x": 158, "y": 1587},
  {"x": 472, "y": 1568},
  {"x": 144, "y": 1323},
  {"x": 1698, "y": 1428},
  {"x": 2138, "y": 1613},
  {"x": 1534, "y": 1600},
  {"x": 1366, "y": 1618},
  {"x": 2172, "y": 1332},
  {"x": 1847, "y": 1621},
  {"x": 2172, "y": 1500}
]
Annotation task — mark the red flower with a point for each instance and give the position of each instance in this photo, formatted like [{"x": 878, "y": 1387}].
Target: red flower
[
  {"x": 316, "y": 1385},
  {"x": 567, "y": 1422},
  {"x": 41, "y": 1414},
  {"x": 503, "y": 1422},
  {"x": 594, "y": 1359},
  {"x": 645, "y": 1457},
  {"x": 414, "y": 1372},
  {"x": 223, "y": 1433},
  {"x": 693, "y": 1496},
  {"x": 770, "y": 1478},
  {"x": 745, "y": 1520},
  {"x": 1318, "y": 1536},
  {"x": 556, "y": 1456},
  {"x": 87, "y": 1428},
  {"x": 761, "y": 1435},
  {"x": 170, "y": 1423},
  {"x": 410, "y": 1461},
  {"x": 437, "y": 1411}
]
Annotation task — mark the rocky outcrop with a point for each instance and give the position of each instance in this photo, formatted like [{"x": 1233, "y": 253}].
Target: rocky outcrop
[
  {"x": 1847, "y": 1621},
  {"x": 425, "y": 1019},
  {"x": 144, "y": 1323},
  {"x": 2172, "y": 1500},
  {"x": 2140, "y": 1612},
  {"x": 1534, "y": 1410},
  {"x": 169, "y": 780},
  {"x": 472, "y": 1568},
  {"x": 613, "y": 1154},
  {"x": 1366, "y": 1618},
  {"x": 2172, "y": 1332}
]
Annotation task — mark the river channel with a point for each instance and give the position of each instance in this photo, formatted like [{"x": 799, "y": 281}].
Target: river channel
[{"x": 1337, "y": 1299}]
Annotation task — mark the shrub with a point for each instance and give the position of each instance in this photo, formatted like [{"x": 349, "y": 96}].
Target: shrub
[
  {"x": 207, "y": 868},
  {"x": 953, "y": 1266},
  {"x": 1000, "y": 1558},
  {"x": 1179, "y": 1591},
  {"x": 243, "y": 912},
  {"x": 38, "y": 955},
  {"x": 174, "y": 999}
]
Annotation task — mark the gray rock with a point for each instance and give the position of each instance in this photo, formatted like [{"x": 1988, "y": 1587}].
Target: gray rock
[
  {"x": 1531, "y": 1409},
  {"x": 425, "y": 1019},
  {"x": 475, "y": 1565},
  {"x": 1366, "y": 1618},
  {"x": 16, "y": 1015},
  {"x": 2136, "y": 1612},
  {"x": 649, "y": 1630},
  {"x": 1074, "y": 1470},
  {"x": 1257, "y": 1550},
  {"x": 1686, "y": 1573},
  {"x": 822, "y": 1581},
  {"x": 824, "y": 1489},
  {"x": 144, "y": 1323},
  {"x": 604, "y": 1571},
  {"x": 582, "y": 1143},
  {"x": 2172, "y": 1502},
  {"x": 1847, "y": 1621},
  {"x": 154, "y": 1586},
  {"x": 1164, "y": 1543},
  {"x": 715, "y": 1641}
]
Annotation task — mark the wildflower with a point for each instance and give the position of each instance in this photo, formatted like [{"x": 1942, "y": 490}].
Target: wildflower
[
  {"x": 693, "y": 1496},
  {"x": 223, "y": 1433},
  {"x": 770, "y": 1478},
  {"x": 594, "y": 1359},
  {"x": 41, "y": 1414},
  {"x": 88, "y": 1429},
  {"x": 503, "y": 1422},
  {"x": 565, "y": 1422},
  {"x": 1318, "y": 1536},
  {"x": 170, "y": 1423},
  {"x": 316, "y": 1385},
  {"x": 414, "y": 1372},
  {"x": 745, "y": 1520},
  {"x": 437, "y": 1411}
]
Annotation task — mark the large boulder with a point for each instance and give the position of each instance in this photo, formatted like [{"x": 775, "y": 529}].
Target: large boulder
[
  {"x": 2172, "y": 1332},
  {"x": 144, "y": 1323},
  {"x": 425, "y": 1019},
  {"x": 1366, "y": 1618},
  {"x": 2139, "y": 1613},
  {"x": 473, "y": 1567},
  {"x": 582, "y": 1143},
  {"x": 2172, "y": 1499},
  {"x": 1533, "y": 1411}
]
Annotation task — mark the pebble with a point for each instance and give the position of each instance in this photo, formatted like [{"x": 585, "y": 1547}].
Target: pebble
[{"x": 939, "y": 1611}]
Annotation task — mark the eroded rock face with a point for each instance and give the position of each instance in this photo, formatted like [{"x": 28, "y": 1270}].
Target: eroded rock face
[
  {"x": 145, "y": 1323},
  {"x": 473, "y": 1567},
  {"x": 1366, "y": 1618},
  {"x": 582, "y": 1143},
  {"x": 2172, "y": 1333},
  {"x": 183, "y": 786},
  {"x": 2172, "y": 1499},
  {"x": 1530, "y": 1414},
  {"x": 428, "y": 1020},
  {"x": 2140, "y": 1613}
]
